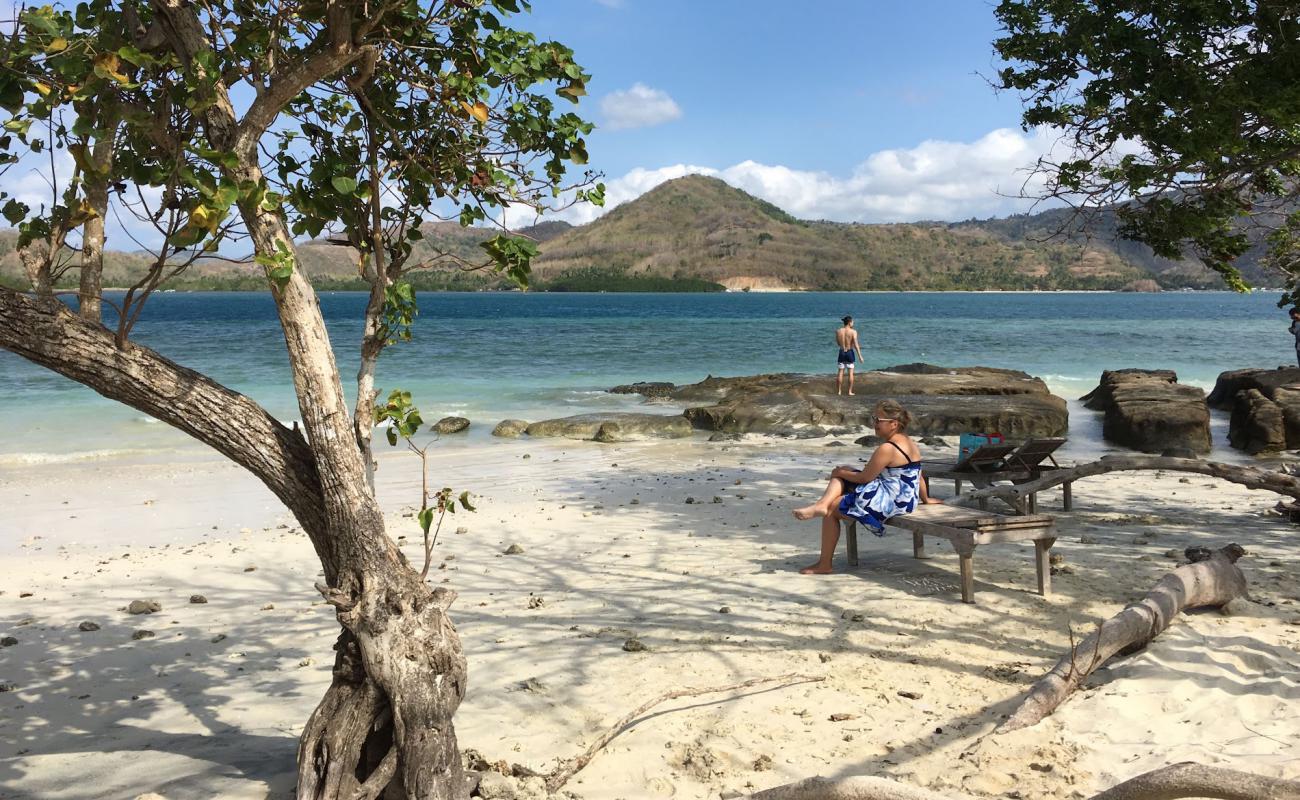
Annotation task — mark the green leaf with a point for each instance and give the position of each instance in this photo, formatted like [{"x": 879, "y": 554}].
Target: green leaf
[
  {"x": 465, "y": 502},
  {"x": 343, "y": 185},
  {"x": 425, "y": 518}
]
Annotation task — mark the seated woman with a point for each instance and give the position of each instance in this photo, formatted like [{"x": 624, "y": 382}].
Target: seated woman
[{"x": 889, "y": 484}]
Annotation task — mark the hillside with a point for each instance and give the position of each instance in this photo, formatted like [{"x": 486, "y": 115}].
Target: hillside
[{"x": 698, "y": 233}]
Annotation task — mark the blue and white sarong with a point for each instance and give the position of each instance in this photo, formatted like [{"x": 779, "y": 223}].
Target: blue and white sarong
[{"x": 894, "y": 491}]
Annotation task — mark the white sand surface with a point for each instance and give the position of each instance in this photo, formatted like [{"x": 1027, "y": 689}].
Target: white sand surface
[{"x": 212, "y": 703}]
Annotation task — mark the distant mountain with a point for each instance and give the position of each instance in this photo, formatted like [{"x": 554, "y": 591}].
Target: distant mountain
[{"x": 699, "y": 233}]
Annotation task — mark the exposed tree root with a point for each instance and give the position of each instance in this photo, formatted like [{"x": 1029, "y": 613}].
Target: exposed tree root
[
  {"x": 1175, "y": 781},
  {"x": 566, "y": 770},
  {"x": 1211, "y": 582}
]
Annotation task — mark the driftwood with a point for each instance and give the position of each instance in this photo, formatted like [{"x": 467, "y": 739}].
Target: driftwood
[
  {"x": 1209, "y": 582},
  {"x": 1250, "y": 477},
  {"x": 1189, "y": 779},
  {"x": 567, "y": 769},
  {"x": 1167, "y": 783}
]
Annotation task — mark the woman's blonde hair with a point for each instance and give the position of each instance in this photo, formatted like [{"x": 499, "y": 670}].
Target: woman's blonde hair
[{"x": 892, "y": 409}]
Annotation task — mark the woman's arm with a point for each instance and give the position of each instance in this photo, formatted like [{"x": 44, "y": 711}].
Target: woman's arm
[{"x": 879, "y": 460}]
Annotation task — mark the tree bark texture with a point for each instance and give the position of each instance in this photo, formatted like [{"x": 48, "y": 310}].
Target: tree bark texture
[
  {"x": 91, "y": 290},
  {"x": 1189, "y": 779},
  {"x": 1250, "y": 477},
  {"x": 1212, "y": 582}
]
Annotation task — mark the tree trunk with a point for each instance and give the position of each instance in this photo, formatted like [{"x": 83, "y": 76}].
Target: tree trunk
[
  {"x": 89, "y": 304},
  {"x": 1212, "y": 582},
  {"x": 1250, "y": 477},
  {"x": 1189, "y": 779}
]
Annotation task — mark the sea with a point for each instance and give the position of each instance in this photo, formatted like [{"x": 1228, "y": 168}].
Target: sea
[{"x": 491, "y": 356}]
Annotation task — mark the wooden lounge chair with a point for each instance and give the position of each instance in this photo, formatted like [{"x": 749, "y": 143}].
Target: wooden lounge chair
[
  {"x": 992, "y": 463},
  {"x": 968, "y": 528}
]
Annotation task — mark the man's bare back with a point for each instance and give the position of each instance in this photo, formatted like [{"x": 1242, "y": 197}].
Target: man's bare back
[{"x": 850, "y": 352}]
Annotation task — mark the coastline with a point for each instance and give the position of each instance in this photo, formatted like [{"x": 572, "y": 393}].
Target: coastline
[{"x": 612, "y": 550}]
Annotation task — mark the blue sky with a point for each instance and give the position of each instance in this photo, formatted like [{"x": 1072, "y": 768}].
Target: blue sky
[
  {"x": 859, "y": 111},
  {"x": 866, "y": 111}
]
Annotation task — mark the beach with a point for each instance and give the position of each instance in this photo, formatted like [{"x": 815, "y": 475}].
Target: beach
[{"x": 688, "y": 548}]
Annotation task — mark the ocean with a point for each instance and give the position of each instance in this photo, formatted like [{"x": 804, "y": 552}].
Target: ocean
[{"x": 489, "y": 356}]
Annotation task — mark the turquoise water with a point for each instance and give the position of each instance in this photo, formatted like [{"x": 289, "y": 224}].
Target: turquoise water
[{"x": 489, "y": 356}]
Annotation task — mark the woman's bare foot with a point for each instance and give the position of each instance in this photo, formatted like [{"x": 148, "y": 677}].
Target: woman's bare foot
[
  {"x": 807, "y": 512},
  {"x": 930, "y": 500},
  {"x": 815, "y": 569}
]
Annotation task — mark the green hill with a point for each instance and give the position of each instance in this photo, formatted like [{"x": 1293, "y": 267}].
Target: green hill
[{"x": 699, "y": 234}]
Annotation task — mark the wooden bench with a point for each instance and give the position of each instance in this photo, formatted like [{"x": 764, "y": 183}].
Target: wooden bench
[
  {"x": 989, "y": 464},
  {"x": 967, "y": 528}
]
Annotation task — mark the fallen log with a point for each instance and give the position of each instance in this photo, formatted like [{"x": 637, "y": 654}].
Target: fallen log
[
  {"x": 1189, "y": 779},
  {"x": 1250, "y": 477},
  {"x": 1210, "y": 582},
  {"x": 1175, "y": 781}
]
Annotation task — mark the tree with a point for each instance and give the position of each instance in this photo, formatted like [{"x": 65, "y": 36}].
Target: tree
[
  {"x": 1184, "y": 115},
  {"x": 238, "y": 121}
]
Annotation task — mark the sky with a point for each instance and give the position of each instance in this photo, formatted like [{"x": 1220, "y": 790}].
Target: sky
[
  {"x": 855, "y": 111},
  {"x": 845, "y": 110}
]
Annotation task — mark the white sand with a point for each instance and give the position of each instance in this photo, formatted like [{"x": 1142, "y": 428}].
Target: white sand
[{"x": 97, "y": 714}]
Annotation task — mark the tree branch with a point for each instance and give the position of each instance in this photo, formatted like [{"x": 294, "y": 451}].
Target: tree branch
[{"x": 46, "y": 332}]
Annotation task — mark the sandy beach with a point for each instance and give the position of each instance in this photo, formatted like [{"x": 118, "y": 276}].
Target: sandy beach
[{"x": 687, "y": 547}]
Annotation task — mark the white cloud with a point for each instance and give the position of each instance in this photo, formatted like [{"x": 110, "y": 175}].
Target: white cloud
[
  {"x": 936, "y": 180},
  {"x": 638, "y": 107}
]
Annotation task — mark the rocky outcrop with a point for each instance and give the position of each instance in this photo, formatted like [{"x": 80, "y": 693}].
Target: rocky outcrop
[
  {"x": 1265, "y": 405},
  {"x": 648, "y": 389},
  {"x": 1225, "y": 391},
  {"x": 1149, "y": 410},
  {"x": 941, "y": 400},
  {"x": 510, "y": 428},
  {"x": 1257, "y": 424},
  {"x": 450, "y": 425},
  {"x": 612, "y": 427}
]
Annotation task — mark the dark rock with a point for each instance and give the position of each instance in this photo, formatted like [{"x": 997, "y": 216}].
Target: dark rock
[
  {"x": 933, "y": 441},
  {"x": 835, "y": 444},
  {"x": 942, "y": 401},
  {"x": 8, "y": 641},
  {"x": 726, "y": 437},
  {"x": 510, "y": 428},
  {"x": 5, "y": 686},
  {"x": 724, "y": 610},
  {"x": 870, "y": 440},
  {"x": 634, "y": 646},
  {"x": 88, "y": 626},
  {"x": 1266, "y": 381},
  {"x": 648, "y": 389},
  {"x": 198, "y": 599},
  {"x": 1197, "y": 554},
  {"x": 1257, "y": 423},
  {"x": 1103, "y": 397},
  {"x": 514, "y": 550},
  {"x": 1178, "y": 452},
  {"x": 1149, "y": 411},
  {"x": 142, "y": 634},
  {"x": 220, "y": 637},
  {"x": 612, "y": 427},
  {"x": 450, "y": 425},
  {"x": 910, "y": 695}
]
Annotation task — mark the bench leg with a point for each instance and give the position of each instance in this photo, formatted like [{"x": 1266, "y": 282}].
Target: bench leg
[
  {"x": 851, "y": 541},
  {"x": 967, "y": 560},
  {"x": 1042, "y": 560},
  {"x": 1033, "y": 503},
  {"x": 956, "y": 486},
  {"x": 1068, "y": 490},
  {"x": 918, "y": 545}
]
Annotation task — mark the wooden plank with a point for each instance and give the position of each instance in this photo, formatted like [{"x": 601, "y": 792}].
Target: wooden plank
[
  {"x": 1043, "y": 563},
  {"x": 1022, "y": 535}
]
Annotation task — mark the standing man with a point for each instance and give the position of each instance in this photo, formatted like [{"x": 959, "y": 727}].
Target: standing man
[
  {"x": 847, "y": 339},
  {"x": 1295, "y": 331}
]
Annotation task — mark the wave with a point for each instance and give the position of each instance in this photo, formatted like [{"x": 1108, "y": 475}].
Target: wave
[{"x": 36, "y": 459}]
